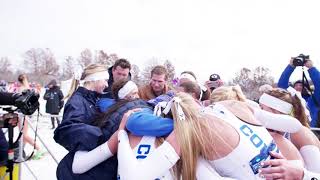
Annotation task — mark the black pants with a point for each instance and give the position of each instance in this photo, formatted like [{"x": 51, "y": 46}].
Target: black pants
[{"x": 52, "y": 121}]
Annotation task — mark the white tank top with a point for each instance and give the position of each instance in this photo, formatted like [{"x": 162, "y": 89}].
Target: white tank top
[
  {"x": 243, "y": 162},
  {"x": 145, "y": 147}
]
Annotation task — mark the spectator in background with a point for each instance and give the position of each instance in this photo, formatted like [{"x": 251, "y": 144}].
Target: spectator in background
[
  {"x": 54, "y": 98},
  {"x": 157, "y": 85},
  {"x": 3, "y": 86},
  {"x": 119, "y": 71},
  {"x": 313, "y": 102},
  {"x": 214, "y": 82}
]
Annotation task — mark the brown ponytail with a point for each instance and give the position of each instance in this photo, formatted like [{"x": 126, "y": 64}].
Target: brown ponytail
[{"x": 299, "y": 111}]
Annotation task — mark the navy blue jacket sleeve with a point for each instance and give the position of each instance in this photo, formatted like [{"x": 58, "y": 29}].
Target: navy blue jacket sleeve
[
  {"x": 75, "y": 132},
  {"x": 285, "y": 76},
  {"x": 315, "y": 77},
  {"x": 144, "y": 123}
]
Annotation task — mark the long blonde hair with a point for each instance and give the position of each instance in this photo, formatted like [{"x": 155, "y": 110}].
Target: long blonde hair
[
  {"x": 90, "y": 69},
  {"x": 190, "y": 136},
  {"x": 23, "y": 80},
  {"x": 227, "y": 93}
]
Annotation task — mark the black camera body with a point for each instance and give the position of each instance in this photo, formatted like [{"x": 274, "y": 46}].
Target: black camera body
[
  {"x": 27, "y": 102},
  {"x": 300, "y": 60}
]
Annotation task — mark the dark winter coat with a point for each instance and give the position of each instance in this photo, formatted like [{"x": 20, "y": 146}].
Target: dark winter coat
[
  {"x": 54, "y": 98},
  {"x": 76, "y": 133}
]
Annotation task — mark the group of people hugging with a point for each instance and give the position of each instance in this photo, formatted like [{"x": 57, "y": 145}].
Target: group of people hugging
[{"x": 176, "y": 135}]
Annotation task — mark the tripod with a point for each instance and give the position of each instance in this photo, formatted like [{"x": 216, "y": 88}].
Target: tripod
[
  {"x": 11, "y": 145},
  {"x": 10, "y": 152}
]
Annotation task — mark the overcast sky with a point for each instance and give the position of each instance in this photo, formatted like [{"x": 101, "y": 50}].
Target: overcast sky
[{"x": 205, "y": 36}]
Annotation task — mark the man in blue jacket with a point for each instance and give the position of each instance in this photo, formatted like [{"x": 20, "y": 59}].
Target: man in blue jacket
[{"x": 313, "y": 101}]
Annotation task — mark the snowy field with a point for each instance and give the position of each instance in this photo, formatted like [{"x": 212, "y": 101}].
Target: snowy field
[{"x": 44, "y": 168}]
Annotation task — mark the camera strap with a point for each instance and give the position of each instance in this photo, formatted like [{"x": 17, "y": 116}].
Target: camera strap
[
  {"x": 35, "y": 139},
  {"x": 305, "y": 81},
  {"x": 16, "y": 143},
  {"x": 306, "y": 84}
]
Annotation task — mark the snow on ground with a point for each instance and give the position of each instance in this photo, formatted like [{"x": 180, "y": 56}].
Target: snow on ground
[{"x": 44, "y": 168}]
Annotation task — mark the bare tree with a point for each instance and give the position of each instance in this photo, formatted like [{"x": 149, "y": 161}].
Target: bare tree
[
  {"x": 49, "y": 65},
  {"x": 101, "y": 57},
  {"x": 32, "y": 60},
  {"x": 251, "y": 80},
  {"x": 135, "y": 74},
  {"x": 41, "y": 64},
  {"x": 171, "y": 70},
  {"x": 5, "y": 69},
  {"x": 68, "y": 69},
  {"x": 112, "y": 59},
  {"x": 85, "y": 58}
]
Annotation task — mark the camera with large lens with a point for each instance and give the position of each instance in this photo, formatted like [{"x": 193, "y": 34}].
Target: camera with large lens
[
  {"x": 300, "y": 60},
  {"x": 27, "y": 102}
]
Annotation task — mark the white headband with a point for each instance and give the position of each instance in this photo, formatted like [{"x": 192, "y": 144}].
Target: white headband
[
  {"x": 275, "y": 103},
  {"x": 188, "y": 76},
  {"x": 97, "y": 76},
  {"x": 126, "y": 89}
]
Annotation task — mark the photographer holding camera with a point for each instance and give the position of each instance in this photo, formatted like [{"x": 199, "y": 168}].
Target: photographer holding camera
[
  {"x": 313, "y": 100},
  {"x": 214, "y": 82}
]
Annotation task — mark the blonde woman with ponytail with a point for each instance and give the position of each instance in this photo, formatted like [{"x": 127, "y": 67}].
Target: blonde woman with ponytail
[
  {"x": 76, "y": 131},
  {"x": 280, "y": 101},
  {"x": 24, "y": 85}
]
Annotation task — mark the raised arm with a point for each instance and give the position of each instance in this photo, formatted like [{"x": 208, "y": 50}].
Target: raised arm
[
  {"x": 285, "y": 76},
  {"x": 315, "y": 77}
]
